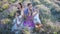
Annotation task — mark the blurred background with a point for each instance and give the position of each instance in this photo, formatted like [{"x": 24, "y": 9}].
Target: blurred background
[{"x": 49, "y": 15}]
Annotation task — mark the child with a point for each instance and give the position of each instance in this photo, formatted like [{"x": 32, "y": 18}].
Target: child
[
  {"x": 37, "y": 21},
  {"x": 17, "y": 22}
]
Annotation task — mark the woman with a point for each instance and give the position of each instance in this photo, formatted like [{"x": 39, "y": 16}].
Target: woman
[
  {"x": 28, "y": 22},
  {"x": 20, "y": 7}
]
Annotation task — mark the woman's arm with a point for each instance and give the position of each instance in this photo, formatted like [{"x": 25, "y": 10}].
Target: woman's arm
[{"x": 35, "y": 13}]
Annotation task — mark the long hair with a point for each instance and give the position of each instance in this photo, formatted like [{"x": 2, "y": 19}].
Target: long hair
[
  {"x": 20, "y": 4},
  {"x": 28, "y": 4}
]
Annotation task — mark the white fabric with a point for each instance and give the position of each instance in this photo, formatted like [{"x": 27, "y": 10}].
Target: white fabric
[
  {"x": 36, "y": 18},
  {"x": 16, "y": 21}
]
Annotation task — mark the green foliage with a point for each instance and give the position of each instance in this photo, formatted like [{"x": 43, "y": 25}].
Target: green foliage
[
  {"x": 0, "y": 3},
  {"x": 53, "y": 19},
  {"x": 5, "y": 6},
  {"x": 5, "y": 14},
  {"x": 55, "y": 32},
  {"x": 1, "y": 10},
  {"x": 5, "y": 21},
  {"x": 11, "y": 1},
  {"x": 21, "y": 1},
  {"x": 7, "y": 25},
  {"x": 36, "y": 2},
  {"x": 12, "y": 14}
]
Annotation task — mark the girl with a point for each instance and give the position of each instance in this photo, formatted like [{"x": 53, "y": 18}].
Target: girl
[
  {"x": 16, "y": 22},
  {"x": 18, "y": 19},
  {"x": 37, "y": 21}
]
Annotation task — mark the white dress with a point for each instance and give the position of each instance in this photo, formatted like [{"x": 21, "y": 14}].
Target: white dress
[
  {"x": 16, "y": 21},
  {"x": 36, "y": 18}
]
